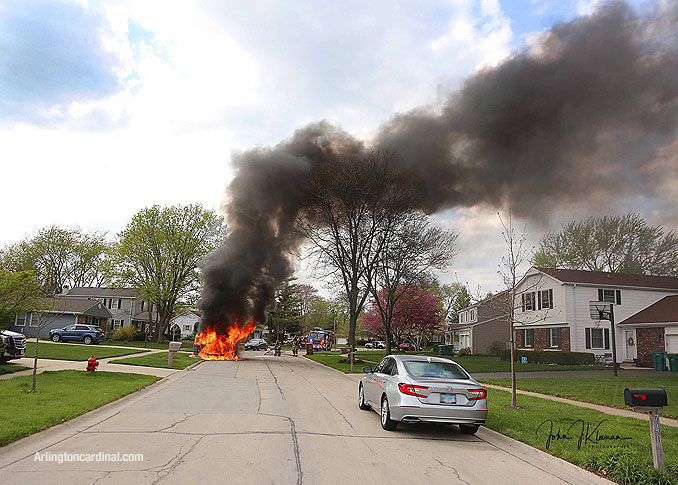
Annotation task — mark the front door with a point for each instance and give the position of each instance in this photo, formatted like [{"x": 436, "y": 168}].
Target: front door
[{"x": 630, "y": 344}]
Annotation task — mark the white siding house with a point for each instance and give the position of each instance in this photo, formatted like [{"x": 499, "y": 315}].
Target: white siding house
[{"x": 552, "y": 309}]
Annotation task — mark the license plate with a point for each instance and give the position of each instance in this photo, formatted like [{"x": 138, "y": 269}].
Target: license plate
[{"x": 448, "y": 398}]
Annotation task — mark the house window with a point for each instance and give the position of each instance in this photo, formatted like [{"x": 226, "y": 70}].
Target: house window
[
  {"x": 545, "y": 299},
  {"x": 115, "y": 303},
  {"x": 528, "y": 301},
  {"x": 20, "y": 320},
  {"x": 598, "y": 338},
  {"x": 553, "y": 338},
  {"x": 117, "y": 324},
  {"x": 187, "y": 328},
  {"x": 609, "y": 296},
  {"x": 143, "y": 305},
  {"x": 472, "y": 316},
  {"x": 528, "y": 337}
]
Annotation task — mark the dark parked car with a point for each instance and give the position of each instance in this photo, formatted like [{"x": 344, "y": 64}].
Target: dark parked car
[
  {"x": 256, "y": 344},
  {"x": 12, "y": 345},
  {"x": 88, "y": 334}
]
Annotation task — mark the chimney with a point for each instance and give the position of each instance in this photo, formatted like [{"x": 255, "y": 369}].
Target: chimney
[{"x": 64, "y": 290}]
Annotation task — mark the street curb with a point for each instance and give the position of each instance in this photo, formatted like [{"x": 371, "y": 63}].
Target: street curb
[{"x": 563, "y": 469}]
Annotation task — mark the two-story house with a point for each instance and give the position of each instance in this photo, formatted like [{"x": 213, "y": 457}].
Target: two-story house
[
  {"x": 483, "y": 326},
  {"x": 552, "y": 310}
]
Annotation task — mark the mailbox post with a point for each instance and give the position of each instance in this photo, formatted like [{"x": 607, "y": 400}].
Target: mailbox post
[
  {"x": 650, "y": 401},
  {"x": 173, "y": 347}
]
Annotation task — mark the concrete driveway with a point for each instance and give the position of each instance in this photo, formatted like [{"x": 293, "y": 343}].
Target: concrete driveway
[{"x": 270, "y": 419}]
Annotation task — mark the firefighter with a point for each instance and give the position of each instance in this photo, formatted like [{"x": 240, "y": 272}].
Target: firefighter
[
  {"x": 295, "y": 347},
  {"x": 277, "y": 348}
]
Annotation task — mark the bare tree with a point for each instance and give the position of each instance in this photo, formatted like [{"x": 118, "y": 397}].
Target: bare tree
[
  {"x": 512, "y": 273},
  {"x": 352, "y": 204},
  {"x": 411, "y": 249}
]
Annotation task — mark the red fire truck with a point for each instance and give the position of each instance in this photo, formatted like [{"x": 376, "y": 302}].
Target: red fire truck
[{"x": 321, "y": 339}]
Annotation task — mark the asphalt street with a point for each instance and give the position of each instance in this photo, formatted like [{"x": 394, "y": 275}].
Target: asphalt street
[{"x": 270, "y": 419}]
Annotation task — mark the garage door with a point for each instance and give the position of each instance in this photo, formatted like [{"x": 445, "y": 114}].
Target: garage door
[{"x": 672, "y": 343}]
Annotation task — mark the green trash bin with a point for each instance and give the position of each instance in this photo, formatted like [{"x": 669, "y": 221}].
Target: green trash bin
[
  {"x": 659, "y": 357},
  {"x": 673, "y": 362}
]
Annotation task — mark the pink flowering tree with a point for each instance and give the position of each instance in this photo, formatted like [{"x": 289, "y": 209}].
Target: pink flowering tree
[{"x": 417, "y": 315}]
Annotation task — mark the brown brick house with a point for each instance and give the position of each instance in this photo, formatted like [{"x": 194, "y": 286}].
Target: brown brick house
[{"x": 656, "y": 328}]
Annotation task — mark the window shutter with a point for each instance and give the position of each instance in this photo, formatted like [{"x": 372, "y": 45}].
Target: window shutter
[
  {"x": 119, "y": 302},
  {"x": 600, "y": 294},
  {"x": 588, "y": 338},
  {"x": 539, "y": 299},
  {"x": 607, "y": 339},
  {"x": 522, "y": 297},
  {"x": 550, "y": 298},
  {"x": 548, "y": 337},
  {"x": 618, "y": 294},
  {"x": 109, "y": 303}
]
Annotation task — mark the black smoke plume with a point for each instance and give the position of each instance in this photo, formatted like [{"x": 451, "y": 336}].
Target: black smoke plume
[{"x": 578, "y": 116}]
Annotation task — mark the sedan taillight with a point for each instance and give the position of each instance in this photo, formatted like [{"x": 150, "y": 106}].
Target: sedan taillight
[
  {"x": 411, "y": 389},
  {"x": 477, "y": 394}
]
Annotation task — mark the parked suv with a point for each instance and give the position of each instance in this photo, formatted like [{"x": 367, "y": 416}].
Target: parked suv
[
  {"x": 256, "y": 344},
  {"x": 88, "y": 334},
  {"x": 12, "y": 345}
]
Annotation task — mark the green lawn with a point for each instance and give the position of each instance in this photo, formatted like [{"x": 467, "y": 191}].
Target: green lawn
[
  {"x": 61, "y": 395},
  {"x": 472, "y": 364},
  {"x": 607, "y": 390},
  {"x": 185, "y": 345},
  {"x": 159, "y": 359},
  {"x": 9, "y": 368},
  {"x": 523, "y": 425},
  {"x": 64, "y": 351}
]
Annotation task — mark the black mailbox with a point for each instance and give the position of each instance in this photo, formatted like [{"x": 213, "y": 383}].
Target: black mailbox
[{"x": 654, "y": 398}]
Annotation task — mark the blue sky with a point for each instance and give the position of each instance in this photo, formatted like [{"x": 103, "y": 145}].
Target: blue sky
[{"x": 109, "y": 106}]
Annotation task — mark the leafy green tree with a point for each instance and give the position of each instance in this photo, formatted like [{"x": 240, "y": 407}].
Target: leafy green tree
[
  {"x": 618, "y": 244},
  {"x": 287, "y": 315},
  {"x": 453, "y": 297},
  {"x": 160, "y": 253},
  {"x": 61, "y": 256},
  {"x": 19, "y": 293}
]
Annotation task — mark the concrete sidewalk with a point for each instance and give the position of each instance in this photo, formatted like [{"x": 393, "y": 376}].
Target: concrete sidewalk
[
  {"x": 104, "y": 365},
  {"x": 598, "y": 407}
]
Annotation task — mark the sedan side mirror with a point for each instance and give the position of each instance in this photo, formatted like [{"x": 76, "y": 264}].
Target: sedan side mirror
[{"x": 367, "y": 369}]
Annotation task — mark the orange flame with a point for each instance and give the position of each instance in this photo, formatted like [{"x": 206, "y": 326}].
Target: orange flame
[{"x": 216, "y": 346}]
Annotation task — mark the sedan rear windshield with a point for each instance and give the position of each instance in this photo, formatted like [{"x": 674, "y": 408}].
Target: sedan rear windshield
[{"x": 444, "y": 370}]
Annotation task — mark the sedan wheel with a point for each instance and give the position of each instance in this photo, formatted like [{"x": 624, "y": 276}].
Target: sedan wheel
[
  {"x": 386, "y": 422},
  {"x": 87, "y": 340},
  {"x": 56, "y": 337},
  {"x": 361, "y": 399},
  {"x": 468, "y": 428}
]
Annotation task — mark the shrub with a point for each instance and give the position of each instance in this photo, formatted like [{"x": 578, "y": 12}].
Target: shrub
[
  {"x": 550, "y": 357},
  {"x": 465, "y": 351},
  {"x": 435, "y": 348},
  {"x": 124, "y": 334},
  {"x": 497, "y": 347}
]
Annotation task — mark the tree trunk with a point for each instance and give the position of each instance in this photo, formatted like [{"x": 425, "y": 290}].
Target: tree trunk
[{"x": 35, "y": 361}]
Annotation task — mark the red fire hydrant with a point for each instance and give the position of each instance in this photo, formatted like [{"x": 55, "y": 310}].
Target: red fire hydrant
[{"x": 92, "y": 364}]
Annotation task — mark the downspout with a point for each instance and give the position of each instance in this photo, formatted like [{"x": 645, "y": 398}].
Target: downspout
[{"x": 574, "y": 327}]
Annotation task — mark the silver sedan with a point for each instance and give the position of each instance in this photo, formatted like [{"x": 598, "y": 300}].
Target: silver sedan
[{"x": 419, "y": 389}]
